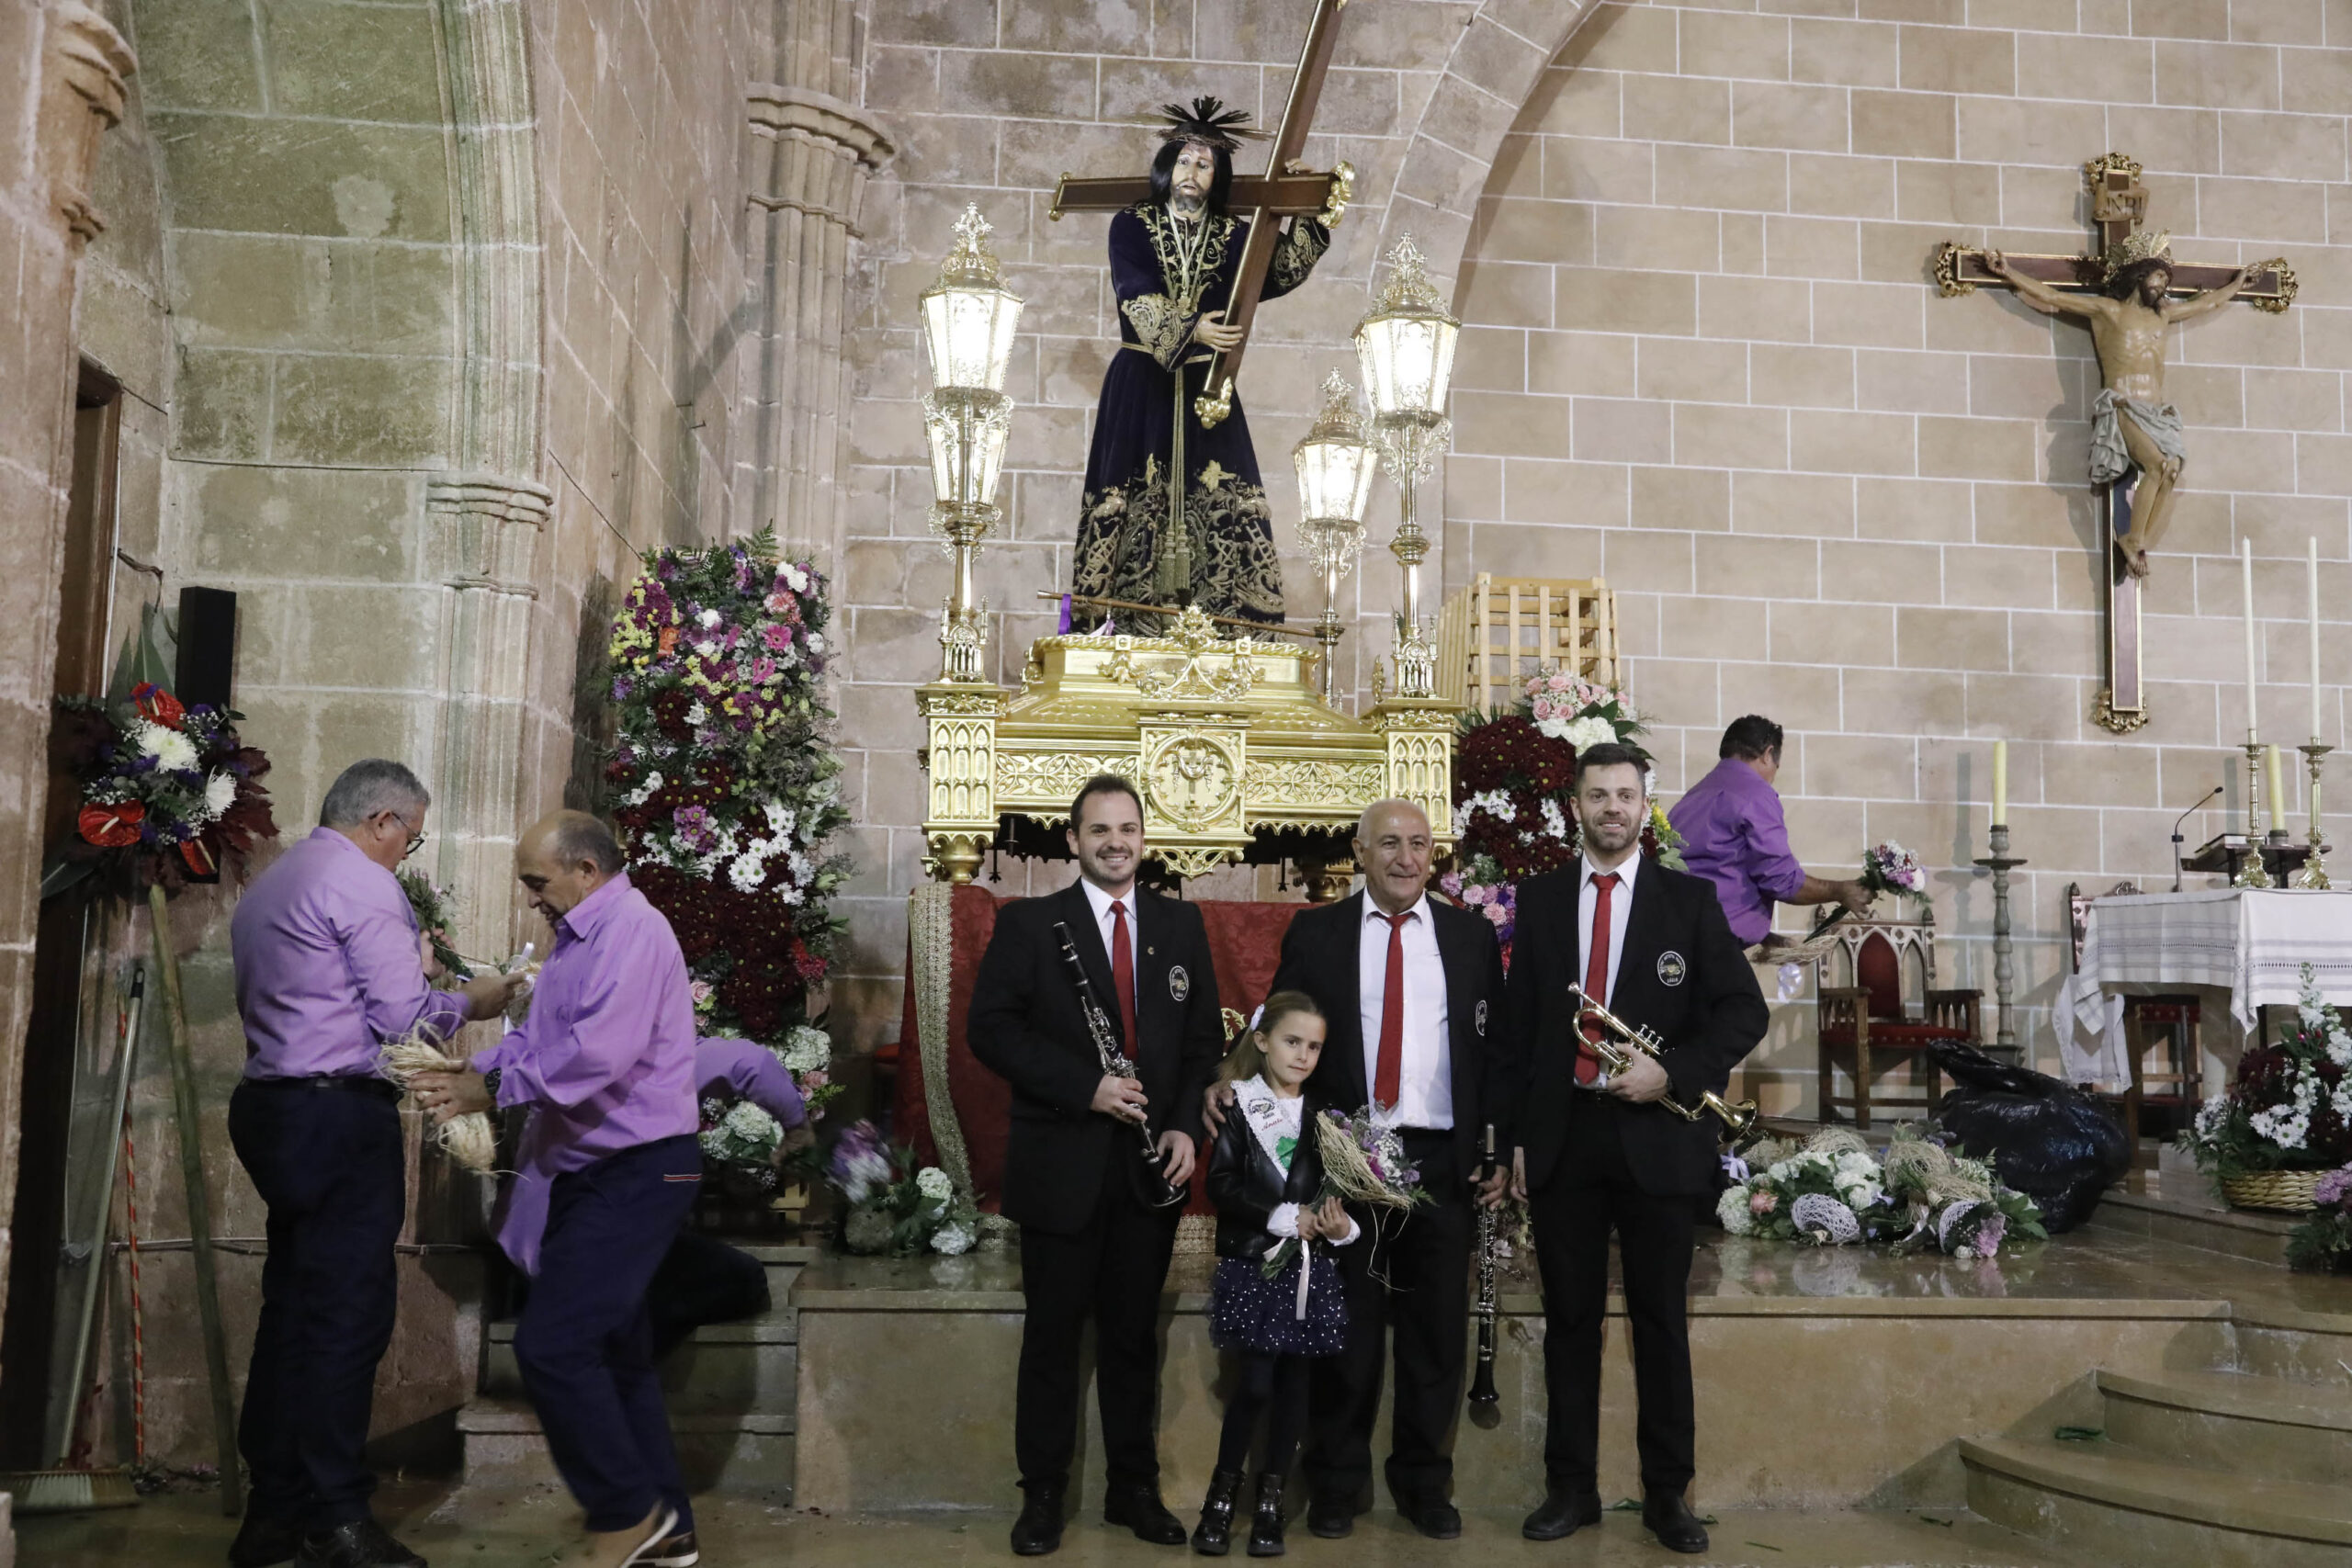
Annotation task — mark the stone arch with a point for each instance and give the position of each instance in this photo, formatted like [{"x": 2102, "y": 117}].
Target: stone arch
[{"x": 1494, "y": 66}]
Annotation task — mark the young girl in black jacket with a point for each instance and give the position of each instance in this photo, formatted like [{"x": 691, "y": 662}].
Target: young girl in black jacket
[{"x": 1264, "y": 1176}]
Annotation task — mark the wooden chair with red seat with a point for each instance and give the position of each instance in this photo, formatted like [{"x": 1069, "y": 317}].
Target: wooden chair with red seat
[{"x": 1868, "y": 1027}]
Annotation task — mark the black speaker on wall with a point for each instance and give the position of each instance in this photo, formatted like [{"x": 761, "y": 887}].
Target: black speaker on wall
[{"x": 208, "y": 646}]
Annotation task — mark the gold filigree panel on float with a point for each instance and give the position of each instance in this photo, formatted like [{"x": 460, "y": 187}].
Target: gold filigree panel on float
[{"x": 1228, "y": 740}]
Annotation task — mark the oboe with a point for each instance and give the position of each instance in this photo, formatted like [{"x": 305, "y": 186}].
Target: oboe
[
  {"x": 1483, "y": 1398},
  {"x": 1152, "y": 1185}
]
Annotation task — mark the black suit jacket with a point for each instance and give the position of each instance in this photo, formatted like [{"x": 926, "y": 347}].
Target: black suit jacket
[
  {"x": 1322, "y": 956},
  {"x": 1682, "y": 973},
  {"x": 1247, "y": 1186},
  {"x": 1026, "y": 1026}
]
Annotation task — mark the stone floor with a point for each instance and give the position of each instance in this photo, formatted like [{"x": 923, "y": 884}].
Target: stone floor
[{"x": 481, "y": 1529}]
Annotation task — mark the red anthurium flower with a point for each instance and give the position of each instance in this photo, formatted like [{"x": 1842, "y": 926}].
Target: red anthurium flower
[
  {"x": 156, "y": 704},
  {"x": 199, "y": 859},
  {"x": 111, "y": 827}
]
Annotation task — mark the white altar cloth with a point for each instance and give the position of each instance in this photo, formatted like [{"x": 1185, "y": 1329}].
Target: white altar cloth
[{"x": 2252, "y": 942}]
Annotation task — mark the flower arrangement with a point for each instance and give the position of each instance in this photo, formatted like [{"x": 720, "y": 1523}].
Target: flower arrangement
[
  {"x": 2289, "y": 1107},
  {"x": 725, "y": 789},
  {"x": 169, "y": 793},
  {"x": 430, "y": 905},
  {"x": 1833, "y": 1192},
  {"x": 1514, "y": 791},
  {"x": 1363, "y": 1163},
  {"x": 897, "y": 1207},
  {"x": 2324, "y": 1240},
  {"x": 1891, "y": 868}
]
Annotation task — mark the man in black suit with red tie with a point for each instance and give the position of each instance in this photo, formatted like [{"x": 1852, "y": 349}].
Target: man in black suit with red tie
[
  {"x": 1090, "y": 1244},
  {"x": 1413, "y": 990},
  {"x": 1598, "y": 1153}
]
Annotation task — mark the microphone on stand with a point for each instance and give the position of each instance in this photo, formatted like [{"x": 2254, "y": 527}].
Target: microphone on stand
[{"x": 2177, "y": 840}]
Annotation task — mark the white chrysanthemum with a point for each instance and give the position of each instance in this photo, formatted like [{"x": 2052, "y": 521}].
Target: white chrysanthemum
[
  {"x": 807, "y": 1050},
  {"x": 794, "y": 578},
  {"x": 219, "y": 794},
  {"x": 174, "y": 752},
  {"x": 1732, "y": 1210},
  {"x": 1555, "y": 822},
  {"x": 747, "y": 1122},
  {"x": 780, "y": 818},
  {"x": 933, "y": 1183},
  {"x": 747, "y": 872},
  {"x": 643, "y": 792},
  {"x": 1584, "y": 734},
  {"x": 951, "y": 1240}
]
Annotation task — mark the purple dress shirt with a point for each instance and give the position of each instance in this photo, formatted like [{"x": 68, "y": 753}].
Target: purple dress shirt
[
  {"x": 606, "y": 1060},
  {"x": 1734, "y": 835},
  {"x": 324, "y": 945},
  {"x": 744, "y": 1069}
]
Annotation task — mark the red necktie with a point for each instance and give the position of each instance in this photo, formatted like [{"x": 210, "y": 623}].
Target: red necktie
[
  {"x": 1123, "y": 973},
  {"x": 1596, "y": 972},
  {"x": 1388, "y": 1072}
]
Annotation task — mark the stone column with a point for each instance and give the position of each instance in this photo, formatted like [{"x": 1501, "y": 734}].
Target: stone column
[
  {"x": 812, "y": 155},
  {"x": 64, "y": 69},
  {"x": 486, "y": 521}
]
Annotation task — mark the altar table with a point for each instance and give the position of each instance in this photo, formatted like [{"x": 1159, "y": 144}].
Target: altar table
[{"x": 2250, "y": 942}]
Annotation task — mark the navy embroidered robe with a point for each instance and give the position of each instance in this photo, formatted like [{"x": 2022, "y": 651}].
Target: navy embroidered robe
[{"x": 1167, "y": 277}]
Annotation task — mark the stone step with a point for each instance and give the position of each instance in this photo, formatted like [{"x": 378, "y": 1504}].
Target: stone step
[
  {"x": 2124, "y": 1506},
  {"x": 751, "y": 1366},
  {"x": 2307, "y": 1348},
  {"x": 741, "y": 1454},
  {"x": 2233, "y": 1423}
]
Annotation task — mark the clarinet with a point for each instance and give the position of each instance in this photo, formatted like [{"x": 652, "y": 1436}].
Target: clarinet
[
  {"x": 1151, "y": 1182},
  {"x": 1482, "y": 1385}
]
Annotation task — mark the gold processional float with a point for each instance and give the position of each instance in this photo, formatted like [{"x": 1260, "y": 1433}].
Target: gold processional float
[{"x": 1235, "y": 743}]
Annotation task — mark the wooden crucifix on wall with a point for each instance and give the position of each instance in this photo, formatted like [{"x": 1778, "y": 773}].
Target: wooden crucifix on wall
[{"x": 2130, "y": 292}]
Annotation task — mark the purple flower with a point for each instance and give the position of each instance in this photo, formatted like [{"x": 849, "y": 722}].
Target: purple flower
[
  {"x": 2333, "y": 1186},
  {"x": 622, "y": 687},
  {"x": 777, "y": 639},
  {"x": 694, "y": 829}
]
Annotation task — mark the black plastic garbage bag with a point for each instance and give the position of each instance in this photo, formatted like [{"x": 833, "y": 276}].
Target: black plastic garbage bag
[{"x": 2052, "y": 1142}]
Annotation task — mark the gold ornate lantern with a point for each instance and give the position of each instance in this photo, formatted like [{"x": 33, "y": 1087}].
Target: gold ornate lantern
[
  {"x": 1405, "y": 346},
  {"x": 969, "y": 320},
  {"x": 1335, "y": 465}
]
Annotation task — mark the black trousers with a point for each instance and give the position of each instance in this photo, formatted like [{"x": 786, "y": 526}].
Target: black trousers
[
  {"x": 702, "y": 1279},
  {"x": 1413, "y": 1276},
  {"x": 1112, "y": 1272},
  {"x": 329, "y": 1165},
  {"x": 585, "y": 1340},
  {"x": 1592, "y": 1192}
]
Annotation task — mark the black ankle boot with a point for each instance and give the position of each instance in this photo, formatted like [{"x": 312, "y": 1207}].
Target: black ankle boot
[
  {"x": 1266, "y": 1527},
  {"x": 1214, "y": 1537}
]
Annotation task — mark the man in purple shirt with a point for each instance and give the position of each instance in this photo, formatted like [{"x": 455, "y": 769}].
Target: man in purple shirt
[
  {"x": 606, "y": 1064},
  {"x": 1734, "y": 835},
  {"x": 328, "y": 968}
]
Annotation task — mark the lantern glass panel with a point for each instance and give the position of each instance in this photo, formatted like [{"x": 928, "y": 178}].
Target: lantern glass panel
[
  {"x": 1408, "y": 362},
  {"x": 967, "y": 443},
  {"x": 967, "y": 336},
  {"x": 1334, "y": 478}
]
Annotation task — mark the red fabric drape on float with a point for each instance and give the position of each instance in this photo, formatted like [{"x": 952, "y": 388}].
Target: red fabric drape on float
[{"x": 1245, "y": 942}]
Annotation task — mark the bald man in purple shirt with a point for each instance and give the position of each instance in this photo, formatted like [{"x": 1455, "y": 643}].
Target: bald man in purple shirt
[
  {"x": 606, "y": 1064},
  {"x": 328, "y": 969},
  {"x": 1734, "y": 836}
]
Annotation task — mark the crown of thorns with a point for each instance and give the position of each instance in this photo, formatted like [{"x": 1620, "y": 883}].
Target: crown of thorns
[
  {"x": 1208, "y": 120},
  {"x": 2145, "y": 244}
]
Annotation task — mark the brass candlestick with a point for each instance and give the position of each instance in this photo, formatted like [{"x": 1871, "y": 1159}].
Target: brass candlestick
[
  {"x": 2252, "y": 873},
  {"x": 2004, "y": 969},
  {"x": 2315, "y": 872}
]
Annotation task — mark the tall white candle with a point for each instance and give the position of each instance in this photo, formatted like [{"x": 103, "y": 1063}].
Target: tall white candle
[
  {"x": 2246, "y": 577},
  {"x": 2000, "y": 783},
  {"x": 2311, "y": 583}
]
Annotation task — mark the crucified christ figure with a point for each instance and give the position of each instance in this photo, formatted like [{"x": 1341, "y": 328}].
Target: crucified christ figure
[{"x": 2132, "y": 424}]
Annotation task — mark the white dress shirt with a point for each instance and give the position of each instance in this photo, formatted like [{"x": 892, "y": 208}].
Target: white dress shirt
[
  {"x": 1099, "y": 902},
  {"x": 1425, "y": 1083},
  {"x": 1620, "y": 906}
]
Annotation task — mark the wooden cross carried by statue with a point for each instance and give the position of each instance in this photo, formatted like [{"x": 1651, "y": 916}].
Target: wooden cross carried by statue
[
  {"x": 2125, "y": 292},
  {"x": 1288, "y": 189}
]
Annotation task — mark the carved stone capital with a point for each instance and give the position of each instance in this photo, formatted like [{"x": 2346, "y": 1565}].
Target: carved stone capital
[
  {"x": 821, "y": 152},
  {"x": 486, "y": 531},
  {"x": 87, "y": 65}
]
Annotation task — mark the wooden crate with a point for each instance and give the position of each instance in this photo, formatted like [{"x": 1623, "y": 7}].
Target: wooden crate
[{"x": 1499, "y": 630}]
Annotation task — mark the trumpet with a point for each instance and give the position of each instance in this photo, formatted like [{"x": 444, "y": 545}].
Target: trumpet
[
  {"x": 1621, "y": 1041},
  {"x": 1150, "y": 1176}
]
